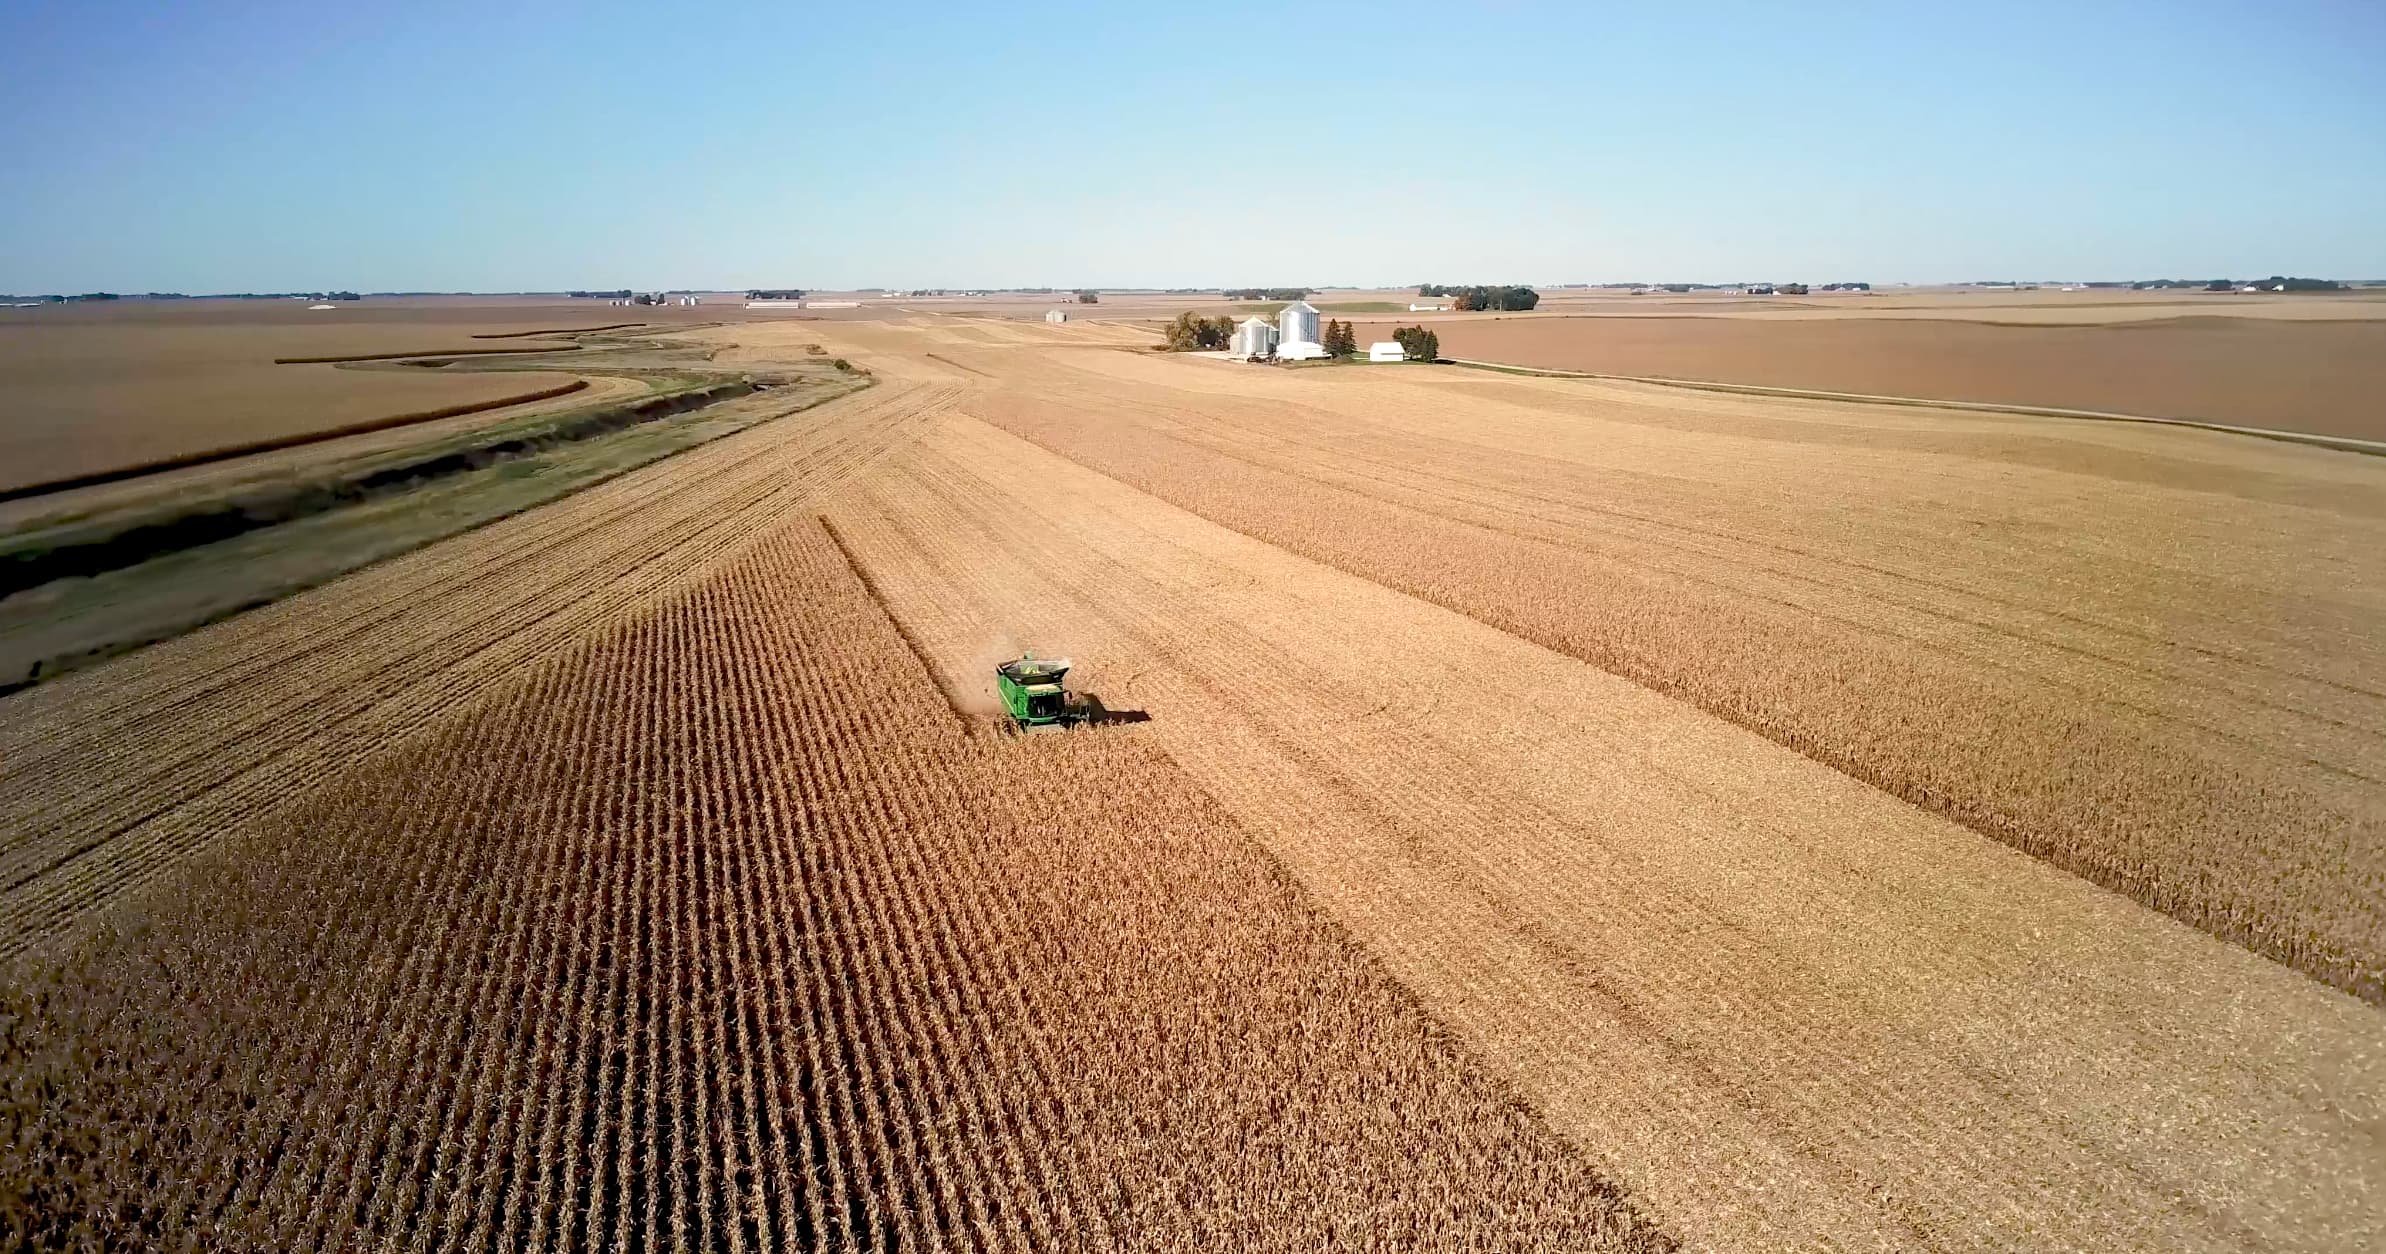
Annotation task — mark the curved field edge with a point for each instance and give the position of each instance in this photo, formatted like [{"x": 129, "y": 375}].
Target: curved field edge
[
  {"x": 518, "y": 335},
  {"x": 717, "y": 932},
  {"x": 230, "y": 452},
  {"x": 2081, "y": 809},
  {"x": 337, "y": 358}
]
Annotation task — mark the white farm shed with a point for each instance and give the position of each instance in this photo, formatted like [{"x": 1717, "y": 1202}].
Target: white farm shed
[
  {"x": 1297, "y": 324},
  {"x": 1303, "y": 350},
  {"x": 1056, "y": 315},
  {"x": 1254, "y": 337},
  {"x": 1386, "y": 350}
]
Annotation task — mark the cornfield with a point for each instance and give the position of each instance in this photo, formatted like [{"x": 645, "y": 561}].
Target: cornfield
[{"x": 722, "y": 932}]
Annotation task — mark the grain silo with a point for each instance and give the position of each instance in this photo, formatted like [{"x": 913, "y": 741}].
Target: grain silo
[
  {"x": 1297, "y": 324},
  {"x": 1255, "y": 337}
]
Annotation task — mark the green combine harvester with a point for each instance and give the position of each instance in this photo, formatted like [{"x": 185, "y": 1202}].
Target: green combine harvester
[{"x": 1032, "y": 694}]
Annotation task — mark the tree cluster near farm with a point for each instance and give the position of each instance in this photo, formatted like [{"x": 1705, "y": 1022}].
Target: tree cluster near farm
[
  {"x": 1419, "y": 343},
  {"x": 1338, "y": 339},
  {"x": 1196, "y": 333},
  {"x": 1467, "y": 299},
  {"x": 1266, "y": 293}
]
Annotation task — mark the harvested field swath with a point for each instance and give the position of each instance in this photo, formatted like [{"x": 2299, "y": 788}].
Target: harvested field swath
[
  {"x": 719, "y": 933},
  {"x": 2146, "y": 657},
  {"x": 2311, "y": 376},
  {"x": 171, "y": 746},
  {"x": 1790, "y": 1011}
]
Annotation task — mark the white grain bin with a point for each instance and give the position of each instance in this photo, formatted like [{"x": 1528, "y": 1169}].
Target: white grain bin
[
  {"x": 1056, "y": 315},
  {"x": 1297, "y": 324},
  {"x": 1386, "y": 350},
  {"x": 1255, "y": 337}
]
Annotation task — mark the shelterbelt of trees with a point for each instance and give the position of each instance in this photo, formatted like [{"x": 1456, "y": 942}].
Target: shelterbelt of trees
[{"x": 1479, "y": 297}]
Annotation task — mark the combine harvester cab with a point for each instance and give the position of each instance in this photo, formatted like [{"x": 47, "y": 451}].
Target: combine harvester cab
[{"x": 1032, "y": 695}]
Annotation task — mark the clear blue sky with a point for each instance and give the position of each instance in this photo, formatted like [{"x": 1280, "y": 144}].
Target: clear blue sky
[{"x": 496, "y": 146}]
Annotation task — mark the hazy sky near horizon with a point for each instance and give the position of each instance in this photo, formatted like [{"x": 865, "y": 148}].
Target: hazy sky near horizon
[{"x": 435, "y": 146}]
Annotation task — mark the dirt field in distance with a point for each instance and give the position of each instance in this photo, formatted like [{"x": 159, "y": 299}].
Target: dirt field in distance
[
  {"x": 2321, "y": 377},
  {"x": 97, "y": 386}
]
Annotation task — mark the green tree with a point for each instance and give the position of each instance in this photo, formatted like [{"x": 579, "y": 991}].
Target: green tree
[
  {"x": 1339, "y": 339},
  {"x": 1193, "y": 333}
]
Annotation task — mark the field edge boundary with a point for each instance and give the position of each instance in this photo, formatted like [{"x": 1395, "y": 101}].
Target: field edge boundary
[{"x": 2339, "y": 443}]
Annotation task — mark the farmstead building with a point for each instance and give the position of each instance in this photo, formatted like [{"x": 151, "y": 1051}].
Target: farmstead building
[
  {"x": 1297, "y": 324},
  {"x": 1056, "y": 315},
  {"x": 1256, "y": 337}
]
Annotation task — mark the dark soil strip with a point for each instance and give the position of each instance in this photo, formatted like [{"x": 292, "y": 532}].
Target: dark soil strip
[
  {"x": 369, "y": 425},
  {"x": 428, "y": 352},
  {"x": 210, "y": 521},
  {"x": 515, "y": 335}
]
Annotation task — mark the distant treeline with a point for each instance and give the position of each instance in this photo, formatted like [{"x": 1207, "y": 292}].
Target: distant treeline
[
  {"x": 776, "y": 293},
  {"x": 1264, "y": 293},
  {"x": 1479, "y": 297},
  {"x": 618, "y": 294}
]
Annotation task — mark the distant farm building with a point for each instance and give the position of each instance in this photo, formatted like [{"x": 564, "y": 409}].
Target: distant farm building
[
  {"x": 1056, "y": 315},
  {"x": 1416, "y": 308},
  {"x": 1297, "y": 323},
  {"x": 1296, "y": 329},
  {"x": 1254, "y": 337},
  {"x": 1386, "y": 350},
  {"x": 774, "y": 304}
]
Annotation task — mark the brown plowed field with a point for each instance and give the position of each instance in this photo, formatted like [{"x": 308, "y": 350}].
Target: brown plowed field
[
  {"x": 84, "y": 399},
  {"x": 2312, "y": 376},
  {"x": 1676, "y": 751},
  {"x": 96, "y": 387}
]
